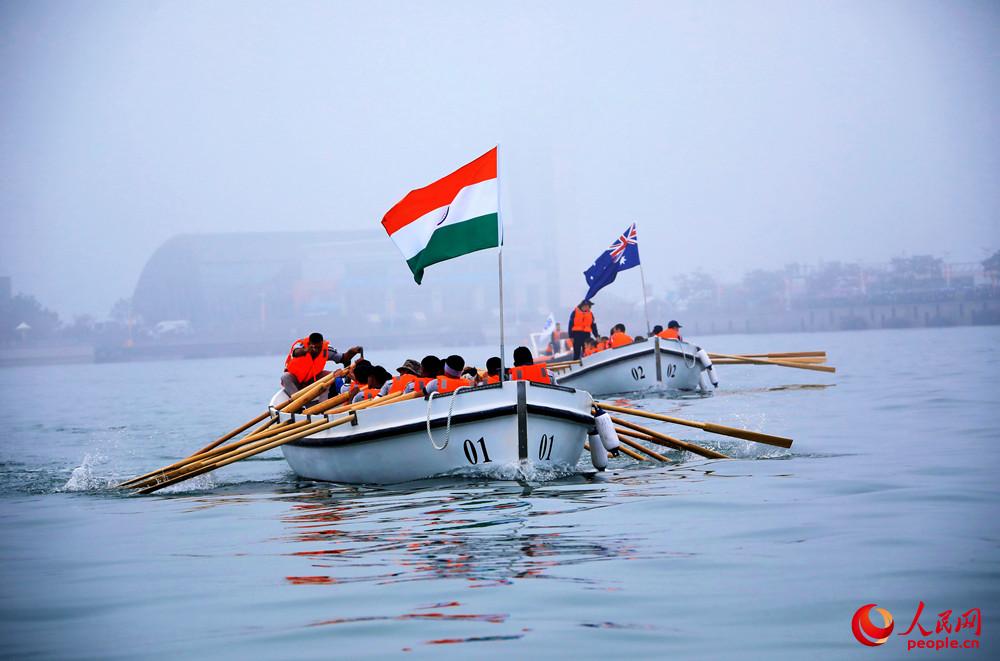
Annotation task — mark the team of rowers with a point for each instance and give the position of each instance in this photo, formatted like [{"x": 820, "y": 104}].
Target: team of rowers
[
  {"x": 361, "y": 380},
  {"x": 619, "y": 338},
  {"x": 584, "y": 338}
]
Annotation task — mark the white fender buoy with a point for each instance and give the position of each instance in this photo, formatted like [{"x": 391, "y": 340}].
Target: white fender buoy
[
  {"x": 606, "y": 430},
  {"x": 598, "y": 455},
  {"x": 706, "y": 362}
]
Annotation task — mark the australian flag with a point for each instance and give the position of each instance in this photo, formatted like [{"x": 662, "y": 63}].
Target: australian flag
[{"x": 623, "y": 254}]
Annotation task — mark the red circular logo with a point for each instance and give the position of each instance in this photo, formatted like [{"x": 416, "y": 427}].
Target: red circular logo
[{"x": 865, "y": 630}]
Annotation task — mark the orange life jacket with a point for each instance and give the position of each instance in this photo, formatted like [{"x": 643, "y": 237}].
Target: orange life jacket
[
  {"x": 305, "y": 368},
  {"x": 589, "y": 351},
  {"x": 601, "y": 346},
  {"x": 368, "y": 393},
  {"x": 620, "y": 340},
  {"x": 489, "y": 378},
  {"x": 536, "y": 373},
  {"x": 670, "y": 334},
  {"x": 582, "y": 321},
  {"x": 400, "y": 382},
  {"x": 446, "y": 384}
]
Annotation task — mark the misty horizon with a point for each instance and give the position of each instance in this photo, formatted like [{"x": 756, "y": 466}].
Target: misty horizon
[{"x": 736, "y": 137}]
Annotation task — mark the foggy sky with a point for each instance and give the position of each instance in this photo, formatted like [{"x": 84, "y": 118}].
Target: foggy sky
[{"x": 737, "y": 135}]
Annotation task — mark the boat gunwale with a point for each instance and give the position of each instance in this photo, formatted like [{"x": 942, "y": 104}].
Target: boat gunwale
[
  {"x": 441, "y": 420},
  {"x": 617, "y": 359}
]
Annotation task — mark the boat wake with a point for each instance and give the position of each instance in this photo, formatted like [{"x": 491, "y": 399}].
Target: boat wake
[
  {"x": 93, "y": 475},
  {"x": 85, "y": 478},
  {"x": 520, "y": 471}
]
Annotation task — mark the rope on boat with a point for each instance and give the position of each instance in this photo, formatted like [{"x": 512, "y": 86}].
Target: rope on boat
[
  {"x": 447, "y": 427},
  {"x": 694, "y": 356}
]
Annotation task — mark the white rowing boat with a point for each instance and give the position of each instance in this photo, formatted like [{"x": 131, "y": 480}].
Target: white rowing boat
[
  {"x": 656, "y": 363},
  {"x": 491, "y": 430}
]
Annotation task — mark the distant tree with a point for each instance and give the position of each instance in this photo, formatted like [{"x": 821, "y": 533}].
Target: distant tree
[
  {"x": 27, "y": 310},
  {"x": 696, "y": 288},
  {"x": 82, "y": 328}
]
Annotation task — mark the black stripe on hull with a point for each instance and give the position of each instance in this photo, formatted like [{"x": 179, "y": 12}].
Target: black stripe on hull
[
  {"x": 437, "y": 423},
  {"x": 522, "y": 420},
  {"x": 583, "y": 370}
]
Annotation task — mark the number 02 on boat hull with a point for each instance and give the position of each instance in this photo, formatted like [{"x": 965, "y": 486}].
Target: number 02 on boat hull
[{"x": 642, "y": 366}]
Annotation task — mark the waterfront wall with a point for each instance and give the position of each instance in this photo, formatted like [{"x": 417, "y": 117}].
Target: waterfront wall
[{"x": 847, "y": 317}]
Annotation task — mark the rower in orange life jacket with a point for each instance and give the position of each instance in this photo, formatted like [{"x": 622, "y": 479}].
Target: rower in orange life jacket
[
  {"x": 451, "y": 380},
  {"x": 306, "y": 361},
  {"x": 492, "y": 374},
  {"x": 377, "y": 378},
  {"x": 672, "y": 332},
  {"x": 581, "y": 326},
  {"x": 525, "y": 368},
  {"x": 430, "y": 368},
  {"x": 618, "y": 336},
  {"x": 408, "y": 373}
]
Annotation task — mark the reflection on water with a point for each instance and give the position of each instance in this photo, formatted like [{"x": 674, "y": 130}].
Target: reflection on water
[{"x": 483, "y": 535}]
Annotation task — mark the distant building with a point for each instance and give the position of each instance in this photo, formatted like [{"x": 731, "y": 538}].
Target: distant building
[{"x": 353, "y": 284}]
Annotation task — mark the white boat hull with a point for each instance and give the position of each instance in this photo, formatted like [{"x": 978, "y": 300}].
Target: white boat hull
[
  {"x": 516, "y": 428},
  {"x": 635, "y": 367}
]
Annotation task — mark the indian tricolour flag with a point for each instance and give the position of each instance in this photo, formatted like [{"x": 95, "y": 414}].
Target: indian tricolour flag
[{"x": 451, "y": 217}]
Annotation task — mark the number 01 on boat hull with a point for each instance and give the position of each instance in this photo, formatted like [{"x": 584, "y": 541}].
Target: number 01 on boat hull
[{"x": 478, "y": 431}]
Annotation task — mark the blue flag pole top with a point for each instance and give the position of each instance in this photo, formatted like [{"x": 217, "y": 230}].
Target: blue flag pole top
[{"x": 621, "y": 256}]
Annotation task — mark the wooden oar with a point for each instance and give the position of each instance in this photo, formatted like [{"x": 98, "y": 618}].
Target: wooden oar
[
  {"x": 283, "y": 429},
  {"x": 782, "y": 363},
  {"x": 789, "y": 354},
  {"x": 394, "y": 397},
  {"x": 643, "y": 448},
  {"x": 804, "y": 360},
  {"x": 331, "y": 403},
  {"x": 653, "y": 436},
  {"x": 623, "y": 449},
  {"x": 188, "y": 465},
  {"x": 377, "y": 401},
  {"x": 248, "y": 451},
  {"x": 631, "y": 453},
  {"x": 746, "y": 434},
  {"x": 167, "y": 471},
  {"x": 239, "y": 430},
  {"x": 562, "y": 364},
  {"x": 307, "y": 394}
]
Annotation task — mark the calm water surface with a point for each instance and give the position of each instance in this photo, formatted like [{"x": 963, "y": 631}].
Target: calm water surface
[{"x": 888, "y": 496}]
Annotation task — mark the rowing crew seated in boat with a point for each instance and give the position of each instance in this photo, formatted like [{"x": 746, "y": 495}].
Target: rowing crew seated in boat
[
  {"x": 672, "y": 332},
  {"x": 432, "y": 375},
  {"x": 620, "y": 338},
  {"x": 306, "y": 361}
]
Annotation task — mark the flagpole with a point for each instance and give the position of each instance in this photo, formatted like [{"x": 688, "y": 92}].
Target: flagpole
[
  {"x": 642, "y": 275},
  {"x": 503, "y": 358}
]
